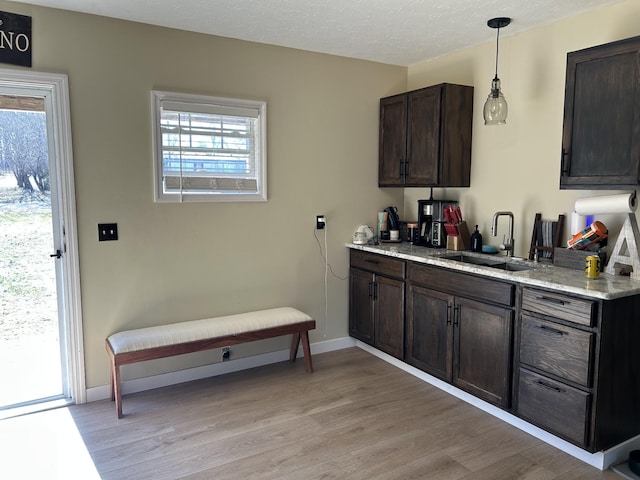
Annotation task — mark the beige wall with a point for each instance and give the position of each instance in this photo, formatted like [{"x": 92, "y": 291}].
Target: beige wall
[
  {"x": 180, "y": 262},
  {"x": 516, "y": 167}
]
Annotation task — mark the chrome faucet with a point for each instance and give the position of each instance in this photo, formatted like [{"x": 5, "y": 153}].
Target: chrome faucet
[{"x": 508, "y": 243}]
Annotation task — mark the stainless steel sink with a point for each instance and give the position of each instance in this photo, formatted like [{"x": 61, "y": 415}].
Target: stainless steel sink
[
  {"x": 512, "y": 267},
  {"x": 461, "y": 257},
  {"x": 488, "y": 262}
]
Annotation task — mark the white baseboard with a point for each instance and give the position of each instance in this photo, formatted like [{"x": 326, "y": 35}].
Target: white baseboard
[
  {"x": 172, "y": 378},
  {"x": 601, "y": 460}
]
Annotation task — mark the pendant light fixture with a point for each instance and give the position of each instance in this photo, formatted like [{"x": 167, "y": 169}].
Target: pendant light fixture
[{"x": 495, "y": 108}]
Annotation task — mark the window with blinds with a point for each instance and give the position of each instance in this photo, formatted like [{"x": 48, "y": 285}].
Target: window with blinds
[{"x": 209, "y": 148}]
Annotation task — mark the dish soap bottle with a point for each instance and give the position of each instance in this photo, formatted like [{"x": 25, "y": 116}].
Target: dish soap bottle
[{"x": 476, "y": 241}]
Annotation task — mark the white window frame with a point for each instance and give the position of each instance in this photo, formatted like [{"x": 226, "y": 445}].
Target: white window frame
[{"x": 207, "y": 104}]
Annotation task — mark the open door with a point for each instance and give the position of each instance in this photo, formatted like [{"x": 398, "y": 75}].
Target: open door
[{"x": 41, "y": 354}]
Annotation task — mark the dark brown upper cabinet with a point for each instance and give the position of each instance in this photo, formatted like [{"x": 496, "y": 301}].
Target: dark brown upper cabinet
[
  {"x": 425, "y": 137},
  {"x": 601, "y": 130}
]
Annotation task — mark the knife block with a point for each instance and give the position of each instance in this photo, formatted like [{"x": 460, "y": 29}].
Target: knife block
[{"x": 462, "y": 241}]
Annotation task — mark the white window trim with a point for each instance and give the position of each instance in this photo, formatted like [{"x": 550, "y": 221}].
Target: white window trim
[{"x": 202, "y": 101}]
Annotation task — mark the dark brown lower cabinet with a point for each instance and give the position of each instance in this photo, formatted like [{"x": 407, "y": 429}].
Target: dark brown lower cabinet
[
  {"x": 482, "y": 359},
  {"x": 578, "y": 364},
  {"x": 360, "y": 305},
  {"x": 568, "y": 364},
  {"x": 388, "y": 316},
  {"x": 376, "y": 303},
  {"x": 460, "y": 340},
  {"x": 430, "y": 331}
]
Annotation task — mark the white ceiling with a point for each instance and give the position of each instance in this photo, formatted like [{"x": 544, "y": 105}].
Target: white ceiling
[{"x": 398, "y": 32}]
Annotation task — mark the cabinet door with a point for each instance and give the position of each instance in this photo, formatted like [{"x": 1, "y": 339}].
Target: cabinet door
[
  {"x": 393, "y": 141},
  {"x": 456, "y": 125},
  {"x": 389, "y": 316},
  {"x": 429, "y": 331},
  {"x": 360, "y": 306},
  {"x": 601, "y": 130},
  {"x": 482, "y": 358},
  {"x": 423, "y": 137}
]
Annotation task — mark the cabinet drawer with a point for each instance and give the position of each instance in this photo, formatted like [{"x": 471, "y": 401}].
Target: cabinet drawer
[
  {"x": 553, "y": 406},
  {"x": 462, "y": 284},
  {"x": 572, "y": 309},
  {"x": 557, "y": 349},
  {"x": 381, "y": 264}
]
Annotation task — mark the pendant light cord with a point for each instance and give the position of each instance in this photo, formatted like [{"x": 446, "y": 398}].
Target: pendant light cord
[{"x": 497, "y": 44}]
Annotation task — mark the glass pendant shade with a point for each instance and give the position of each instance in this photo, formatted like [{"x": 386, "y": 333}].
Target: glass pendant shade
[{"x": 495, "y": 108}]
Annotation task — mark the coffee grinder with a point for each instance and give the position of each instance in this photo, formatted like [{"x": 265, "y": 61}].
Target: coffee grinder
[{"x": 431, "y": 232}]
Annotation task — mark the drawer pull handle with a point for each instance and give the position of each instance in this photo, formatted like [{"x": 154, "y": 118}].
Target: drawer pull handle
[
  {"x": 552, "y": 330},
  {"x": 368, "y": 260},
  {"x": 550, "y": 387},
  {"x": 552, "y": 300}
]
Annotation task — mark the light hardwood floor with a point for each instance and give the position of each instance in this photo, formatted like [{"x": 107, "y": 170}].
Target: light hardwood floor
[{"x": 356, "y": 417}]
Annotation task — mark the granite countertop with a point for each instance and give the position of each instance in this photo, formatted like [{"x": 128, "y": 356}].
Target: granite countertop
[{"x": 545, "y": 275}]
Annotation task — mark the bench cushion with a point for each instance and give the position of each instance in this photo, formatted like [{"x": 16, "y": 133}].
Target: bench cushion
[{"x": 175, "y": 333}]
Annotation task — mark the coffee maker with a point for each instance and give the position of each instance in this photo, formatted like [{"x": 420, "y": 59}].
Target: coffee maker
[{"x": 431, "y": 232}]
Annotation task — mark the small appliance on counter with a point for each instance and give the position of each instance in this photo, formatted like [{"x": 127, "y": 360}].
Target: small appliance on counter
[
  {"x": 363, "y": 235},
  {"x": 389, "y": 225},
  {"x": 431, "y": 222}
]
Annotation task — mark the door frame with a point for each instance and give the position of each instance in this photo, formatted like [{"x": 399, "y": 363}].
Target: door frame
[{"x": 65, "y": 233}]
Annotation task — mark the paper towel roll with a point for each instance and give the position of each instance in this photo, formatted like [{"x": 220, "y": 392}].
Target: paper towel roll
[
  {"x": 578, "y": 222},
  {"x": 622, "y": 203}
]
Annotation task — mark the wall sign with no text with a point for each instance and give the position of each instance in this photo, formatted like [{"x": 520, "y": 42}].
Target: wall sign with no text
[{"x": 15, "y": 39}]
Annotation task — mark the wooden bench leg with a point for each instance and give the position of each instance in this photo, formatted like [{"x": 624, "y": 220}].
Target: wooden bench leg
[
  {"x": 307, "y": 351},
  {"x": 295, "y": 342},
  {"x": 112, "y": 375},
  {"x": 117, "y": 390}
]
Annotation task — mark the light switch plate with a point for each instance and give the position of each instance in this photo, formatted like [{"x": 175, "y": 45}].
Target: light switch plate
[{"x": 107, "y": 231}]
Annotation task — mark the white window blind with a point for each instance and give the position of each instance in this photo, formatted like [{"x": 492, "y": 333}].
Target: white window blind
[{"x": 209, "y": 149}]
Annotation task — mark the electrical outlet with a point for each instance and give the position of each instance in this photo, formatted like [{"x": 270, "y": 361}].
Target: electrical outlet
[
  {"x": 320, "y": 222},
  {"x": 226, "y": 353}
]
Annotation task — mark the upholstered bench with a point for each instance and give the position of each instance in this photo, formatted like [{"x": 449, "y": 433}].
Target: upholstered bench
[{"x": 150, "y": 343}]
